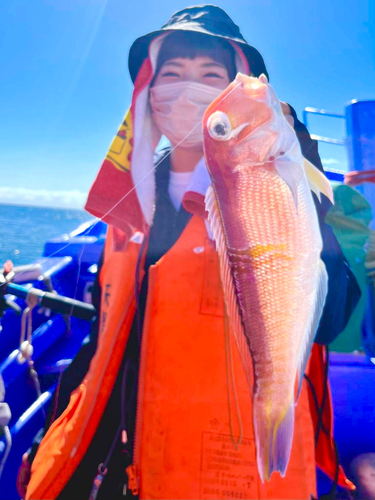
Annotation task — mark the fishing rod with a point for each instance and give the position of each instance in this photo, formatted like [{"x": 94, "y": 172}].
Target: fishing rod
[{"x": 53, "y": 301}]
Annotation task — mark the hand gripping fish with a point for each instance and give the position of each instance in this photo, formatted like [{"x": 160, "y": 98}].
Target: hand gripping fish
[{"x": 267, "y": 234}]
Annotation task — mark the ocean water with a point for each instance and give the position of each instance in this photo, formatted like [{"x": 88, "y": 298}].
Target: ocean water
[{"x": 24, "y": 230}]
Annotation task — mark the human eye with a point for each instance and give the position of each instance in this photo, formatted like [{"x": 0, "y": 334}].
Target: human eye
[
  {"x": 212, "y": 75},
  {"x": 170, "y": 73}
]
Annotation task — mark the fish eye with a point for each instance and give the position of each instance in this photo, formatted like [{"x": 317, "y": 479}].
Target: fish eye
[{"x": 219, "y": 126}]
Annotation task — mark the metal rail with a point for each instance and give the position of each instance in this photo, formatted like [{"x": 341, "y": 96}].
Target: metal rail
[{"x": 316, "y": 111}]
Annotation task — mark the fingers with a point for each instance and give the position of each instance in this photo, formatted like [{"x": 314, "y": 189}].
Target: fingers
[
  {"x": 290, "y": 120},
  {"x": 286, "y": 110},
  {"x": 23, "y": 476}
]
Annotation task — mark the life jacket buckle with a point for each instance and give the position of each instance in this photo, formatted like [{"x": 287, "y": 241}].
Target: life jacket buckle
[{"x": 133, "y": 479}]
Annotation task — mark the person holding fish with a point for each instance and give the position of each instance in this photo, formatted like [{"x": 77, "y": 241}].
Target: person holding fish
[{"x": 218, "y": 275}]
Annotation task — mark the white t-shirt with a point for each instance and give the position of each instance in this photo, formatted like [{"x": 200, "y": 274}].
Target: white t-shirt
[{"x": 178, "y": 183}]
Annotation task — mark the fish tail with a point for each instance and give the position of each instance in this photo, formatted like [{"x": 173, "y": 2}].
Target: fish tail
[{"x": 273, "y": 437}]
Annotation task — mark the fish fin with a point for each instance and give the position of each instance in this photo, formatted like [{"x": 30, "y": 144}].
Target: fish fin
[
  {"x": 313, "y": 323},
  {"x": 291, "y": 173},
  {"x": 318, "y": 182},
  {"x": 274, "y": 438},
  {"x": 230, "y": 297}
]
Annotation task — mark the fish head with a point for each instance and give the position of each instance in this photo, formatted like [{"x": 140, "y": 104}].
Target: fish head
[{"x": 239, "y": 125}]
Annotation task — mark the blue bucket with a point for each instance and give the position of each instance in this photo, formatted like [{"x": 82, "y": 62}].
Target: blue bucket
[{"x": 360, "y": 130}]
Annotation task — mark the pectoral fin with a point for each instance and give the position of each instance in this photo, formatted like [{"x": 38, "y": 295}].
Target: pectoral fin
[
  {"x": 291, "y": 173},
  {"x": 318, "y": 182}
]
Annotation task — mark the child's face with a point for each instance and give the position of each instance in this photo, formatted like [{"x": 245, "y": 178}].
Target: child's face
[{"x": 200, "y": 70}]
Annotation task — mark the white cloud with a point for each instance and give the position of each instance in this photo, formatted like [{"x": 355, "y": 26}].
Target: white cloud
[
  {"x": 330, "y": 161},
  {"x": 42, "y": 197}
]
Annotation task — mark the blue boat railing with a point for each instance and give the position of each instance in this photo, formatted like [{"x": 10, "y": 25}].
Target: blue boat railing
[
  {"x": 323, "y": 112},
  {"x": 332, "y": 174},
  {"x": 359, "y": 119}
]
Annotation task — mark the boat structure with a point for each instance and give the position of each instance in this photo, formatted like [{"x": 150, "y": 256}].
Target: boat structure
[
  {"x": 66, "y": 271},
  {"x": 47, "y": 314}
]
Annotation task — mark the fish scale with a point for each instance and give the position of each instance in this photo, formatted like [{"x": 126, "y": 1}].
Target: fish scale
[
  {"x": 267, "y": 235},
  {"x": 266, "y": 230}
]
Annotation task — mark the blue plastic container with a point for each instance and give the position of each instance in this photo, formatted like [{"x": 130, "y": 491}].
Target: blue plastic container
[{"x": 360, "y": 130}]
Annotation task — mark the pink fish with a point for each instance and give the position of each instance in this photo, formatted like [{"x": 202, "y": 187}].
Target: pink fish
[{"x": 267, "y": 234}]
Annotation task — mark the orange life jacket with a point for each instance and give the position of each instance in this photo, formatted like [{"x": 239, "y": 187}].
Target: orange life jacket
[
  {"x": 192, "y": 395},
  {"x": 68, "y": 438}
]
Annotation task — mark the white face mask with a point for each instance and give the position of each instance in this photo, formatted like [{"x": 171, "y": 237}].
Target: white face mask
[{"x": 177, "y": 109}]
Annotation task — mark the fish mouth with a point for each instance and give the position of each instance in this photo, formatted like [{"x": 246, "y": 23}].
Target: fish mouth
[{"x": 243, "y": 131}]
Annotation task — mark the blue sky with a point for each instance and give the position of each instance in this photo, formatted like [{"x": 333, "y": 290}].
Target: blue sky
[{"x": 64, "y": 85}]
